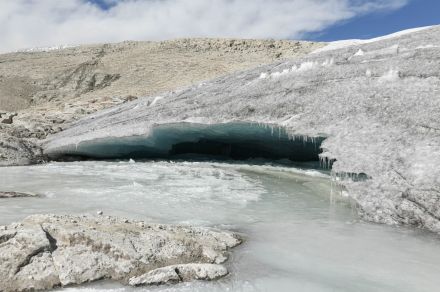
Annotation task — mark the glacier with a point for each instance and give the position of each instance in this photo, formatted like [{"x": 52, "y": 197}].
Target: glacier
[
  {"x": 236, "y": 141},
  {"x": 375, "y": 113}
]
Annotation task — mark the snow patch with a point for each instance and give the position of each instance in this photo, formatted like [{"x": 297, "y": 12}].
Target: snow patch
[
  {"x": 390, "y": 76},
  {"x": 305, "y": 66},
  {"x": 278, "y": 74},
  {"x": 353, "y": 42},
  {"x": 427, "y": 47},
  {"x": 328, "y": 62},
  {"x": 47, "y": 49},
  {"x": 264, "y": 75},
  {"x": 359, "y": 53},
  {"x": 368, "y": 73},
  {"x": 155, "y": 100},
  {"x": 393, "y": 50}
]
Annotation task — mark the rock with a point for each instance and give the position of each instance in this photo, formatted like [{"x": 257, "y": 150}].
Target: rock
[
  {"x": 18, "y": 151},
  {"x": 130, "y": 98},
  {"x": 9, "y": 118},
  {"x": 57, "y": 120},
  {"x": 46, "y": 251},
  {"x": 180, "y": 273},
  {"x": 26, "y": 261},
  {"x": 4, "y": 195}
]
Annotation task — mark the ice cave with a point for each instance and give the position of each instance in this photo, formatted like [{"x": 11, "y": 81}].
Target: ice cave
[{"x": 228, "y": 141}]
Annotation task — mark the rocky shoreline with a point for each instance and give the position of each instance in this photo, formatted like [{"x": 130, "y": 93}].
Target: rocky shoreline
[{"x": 48, "y": 251}]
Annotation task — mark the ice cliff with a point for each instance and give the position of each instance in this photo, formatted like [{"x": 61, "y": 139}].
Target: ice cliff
[{"x": 377, "y": 104}]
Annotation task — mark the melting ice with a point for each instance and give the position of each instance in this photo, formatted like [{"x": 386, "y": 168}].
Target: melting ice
[{"x": 296, "y": 240}]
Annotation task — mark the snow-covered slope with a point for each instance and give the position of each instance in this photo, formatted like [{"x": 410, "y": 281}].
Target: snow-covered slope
[
  {"x": 352, "y": 42},
  {"x": 378, "y": 104}
]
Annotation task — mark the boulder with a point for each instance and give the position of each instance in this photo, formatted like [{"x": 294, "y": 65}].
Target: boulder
[
  {"x": 7, "y": 118},
  {"x": 47, "y": 251}
]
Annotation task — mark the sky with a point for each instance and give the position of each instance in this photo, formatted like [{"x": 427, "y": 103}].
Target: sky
[
  {"x": 42, "y": 23},
  {"x": 416, "y": 13}
]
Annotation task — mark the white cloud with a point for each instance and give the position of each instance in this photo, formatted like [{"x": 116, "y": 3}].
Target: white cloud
[{"x": 29, "y": 23}]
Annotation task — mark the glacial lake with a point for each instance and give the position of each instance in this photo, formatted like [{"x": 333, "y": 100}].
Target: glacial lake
[{"x": 300, "y": 234}]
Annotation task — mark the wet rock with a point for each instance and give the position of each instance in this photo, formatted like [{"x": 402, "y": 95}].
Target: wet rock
[
  {"x": 180, "y": 273},
  {"x": 6, "y": 195},
  {"x": 18, "y": 151},
  {"x": 46, "y": 251},
  {"x": 7, "y": 118}
]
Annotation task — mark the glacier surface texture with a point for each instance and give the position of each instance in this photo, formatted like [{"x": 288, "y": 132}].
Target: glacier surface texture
[{"x": 377, "y": 104}]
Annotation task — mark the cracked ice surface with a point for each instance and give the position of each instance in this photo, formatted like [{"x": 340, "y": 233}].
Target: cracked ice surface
[{"x": 384, "y": 123}]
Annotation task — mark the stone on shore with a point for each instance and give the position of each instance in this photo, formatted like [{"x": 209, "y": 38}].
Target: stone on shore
[
  {"x": 47, "y": 251},
  {"x": 7, "y": 195},
  {"x": 180, "y": 273}
]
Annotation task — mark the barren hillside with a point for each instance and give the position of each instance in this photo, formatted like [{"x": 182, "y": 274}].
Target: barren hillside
[{"x": 129, "y": 68}]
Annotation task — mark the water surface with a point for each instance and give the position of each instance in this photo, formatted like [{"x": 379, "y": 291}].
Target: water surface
[{"x": 300, "y": 235}]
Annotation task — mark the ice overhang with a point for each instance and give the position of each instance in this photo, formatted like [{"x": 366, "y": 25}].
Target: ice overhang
[{"x": 238, "y": 141}]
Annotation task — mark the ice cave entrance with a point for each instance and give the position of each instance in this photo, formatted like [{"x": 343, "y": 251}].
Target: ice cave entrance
[{"x": 236, "y": 141}]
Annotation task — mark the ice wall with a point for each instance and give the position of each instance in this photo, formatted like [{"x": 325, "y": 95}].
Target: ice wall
[{"x": 191, "y": 140}]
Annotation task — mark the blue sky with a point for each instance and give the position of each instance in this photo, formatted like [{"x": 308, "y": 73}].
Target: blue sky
[
  {"x": 37, "y": 23},
  {"x": 103, "y": 3},
  {"x": 416, "y": 13}
]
